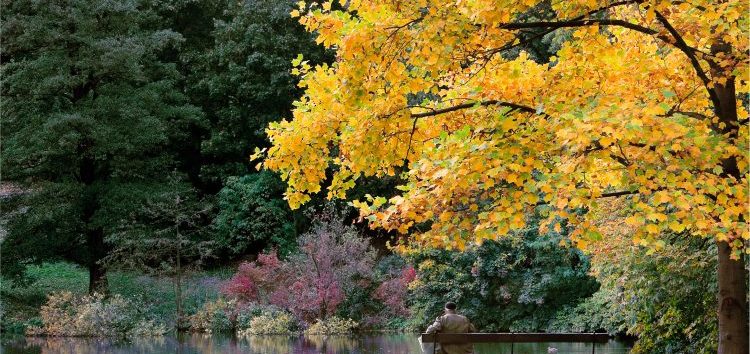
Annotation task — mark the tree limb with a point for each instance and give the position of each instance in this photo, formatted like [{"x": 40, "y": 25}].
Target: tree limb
[
  {"x": 682, "y": 45},
  {"x": 436, "y": 112}
]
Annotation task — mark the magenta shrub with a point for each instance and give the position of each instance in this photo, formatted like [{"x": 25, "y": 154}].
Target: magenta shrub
[
  {"x": 261, "y": 281},
  {"x": 392, "y": 292},
  {"x": 332, "y": 262}
]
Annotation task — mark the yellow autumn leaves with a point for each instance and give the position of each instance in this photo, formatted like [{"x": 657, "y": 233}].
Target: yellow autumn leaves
[{"x": 483, "y": 139}]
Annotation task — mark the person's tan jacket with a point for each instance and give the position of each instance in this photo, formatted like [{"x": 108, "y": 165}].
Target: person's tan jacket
[{"x": 453, "y": 323}]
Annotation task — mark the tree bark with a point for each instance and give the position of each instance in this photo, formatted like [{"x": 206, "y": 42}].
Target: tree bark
[
  {"x": 95, "y": 246},
  {"x": 178, "y": 278},
  {"x": 734, "y": 331},
  {"x": 733, "y": 318},
  {"x": 97, "y": 273}
]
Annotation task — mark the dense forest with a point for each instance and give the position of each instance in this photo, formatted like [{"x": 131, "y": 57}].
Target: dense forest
[{"x": 265, "y": 166}]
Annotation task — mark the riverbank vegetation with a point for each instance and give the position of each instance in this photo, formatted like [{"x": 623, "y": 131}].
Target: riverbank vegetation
[
  {"x": 275, "y": 167},
  {"x": 525, "y": 283}
]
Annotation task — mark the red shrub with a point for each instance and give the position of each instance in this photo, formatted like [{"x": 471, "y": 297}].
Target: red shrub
[
  {"x": 333, "y": 260},
  {"x": 257, "y": 281},
  {"x": 393, "y": 292}
]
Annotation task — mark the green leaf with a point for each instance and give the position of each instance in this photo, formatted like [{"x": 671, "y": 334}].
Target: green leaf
[
  {"x": 463, "y": 133},
  {"x": 668, "y": 94},
  {"x": 298, "y": 60}
]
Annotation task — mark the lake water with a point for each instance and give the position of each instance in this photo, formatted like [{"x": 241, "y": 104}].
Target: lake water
[{"x": 220, "y": 344}]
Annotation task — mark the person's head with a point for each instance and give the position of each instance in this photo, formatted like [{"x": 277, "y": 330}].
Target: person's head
[{"x": 450, "y": 307}]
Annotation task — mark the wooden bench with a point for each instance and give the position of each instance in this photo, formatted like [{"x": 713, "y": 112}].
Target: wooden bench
[{"x": 461, "y": 338}]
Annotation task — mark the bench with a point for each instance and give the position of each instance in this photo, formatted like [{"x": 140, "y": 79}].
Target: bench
[{"x": 461, "y": 338}]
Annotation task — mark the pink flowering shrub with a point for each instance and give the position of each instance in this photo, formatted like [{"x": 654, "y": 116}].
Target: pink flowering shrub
[
  {"x": 332, "y": 261},
  {"x": 393, "y": 292},
  {"x": 261, "y": 281}
]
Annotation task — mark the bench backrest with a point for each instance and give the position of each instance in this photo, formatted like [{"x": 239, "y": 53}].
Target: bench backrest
[{"x": 455, "y": 338}]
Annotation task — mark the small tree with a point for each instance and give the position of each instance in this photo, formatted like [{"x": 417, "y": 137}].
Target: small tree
[{"x": 166, "y": 236}]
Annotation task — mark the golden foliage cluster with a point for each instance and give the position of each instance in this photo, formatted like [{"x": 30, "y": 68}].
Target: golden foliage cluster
[{"x": 628, "y": 108}]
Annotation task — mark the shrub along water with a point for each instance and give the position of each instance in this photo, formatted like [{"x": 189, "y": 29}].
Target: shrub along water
[
  {"x": 332, "y": 325},
  {"x": 334, "y": 265},
  {"x": 66, "y": 314},
  {"x": 278, "y": 323},
  {"x": 154, "y": 296}
]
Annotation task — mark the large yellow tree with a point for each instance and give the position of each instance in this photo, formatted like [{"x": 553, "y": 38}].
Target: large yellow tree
[{"x": 643, "y": 102}]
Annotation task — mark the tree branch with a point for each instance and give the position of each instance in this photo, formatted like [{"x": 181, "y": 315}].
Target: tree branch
[
  {"x": 682, "y": 45},
  {"x": 579, "y": 23},
  {"x": 695, "y": 115},
  {"x": 544, "y": 33},
  {"x": 618, "y": 194},
  {"x": 604, "y": 195},
  {"x": 436, "y": 112}
]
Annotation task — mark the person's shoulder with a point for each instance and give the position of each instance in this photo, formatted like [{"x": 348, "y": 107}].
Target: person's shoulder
[{"x": 455, "y": 315}]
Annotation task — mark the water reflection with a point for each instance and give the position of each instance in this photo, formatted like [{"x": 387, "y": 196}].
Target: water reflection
[
  {"x": 271, "y": 344},
  {"x": 226, "y": 344}
]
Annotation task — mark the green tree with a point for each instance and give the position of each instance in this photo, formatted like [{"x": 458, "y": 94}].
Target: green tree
[
  {"x": 513, "y": 284},
  {"x": 166, "y": 236},
  {"x": 253, "y": 215},
  {"x": 245, "y": 81},
  {"x": 88, "y": 107},
  {"x": 666, "y": 299}
]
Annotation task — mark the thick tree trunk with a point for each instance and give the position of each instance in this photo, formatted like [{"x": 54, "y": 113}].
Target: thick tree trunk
[
  {"x": 98, "y": 279},
  {"x": 734, "y": 331},
  {"x": 97, "y": 273},
  {"x": 733, "y": 318}
]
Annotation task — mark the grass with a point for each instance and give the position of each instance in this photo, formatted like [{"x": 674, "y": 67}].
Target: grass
[{"x": 20, "y": 304}]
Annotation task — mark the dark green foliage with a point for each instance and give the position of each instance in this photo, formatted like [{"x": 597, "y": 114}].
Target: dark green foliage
[
  {"x": 88, "y": 106},
  {"x": 166, "y": 232},
  {"x": 667, "y": 299},
  {"x": 253, "y": 215},
  {"x": 602, "y": 312},
  {"x": 514, "y": 284},
  {"x": 244, "y": 82}
]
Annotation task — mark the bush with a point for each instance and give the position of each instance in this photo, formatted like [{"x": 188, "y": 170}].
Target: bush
[
  {"x": 282, "y": 323},
  {"x": 263, "y": 281},
  {"x": 602, "y": 312},
  {"x": 332, "y": 325},
  {"x": 667, "y": 299},
  {"x": 219, "y": 315},
  {"x": 517, "y": 283},
  {"x": 393, "y": 292},
  {"x": 148, "y": 328},
  {"x": 66, "y": 314},
  {"x": 253, "y": 215},
  {"x": 333, "y": 264},
  {"x": 155, "y": 296}
]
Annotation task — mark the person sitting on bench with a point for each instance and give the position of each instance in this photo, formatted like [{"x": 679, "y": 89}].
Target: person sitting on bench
[{"x": 451, "y": 322}]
